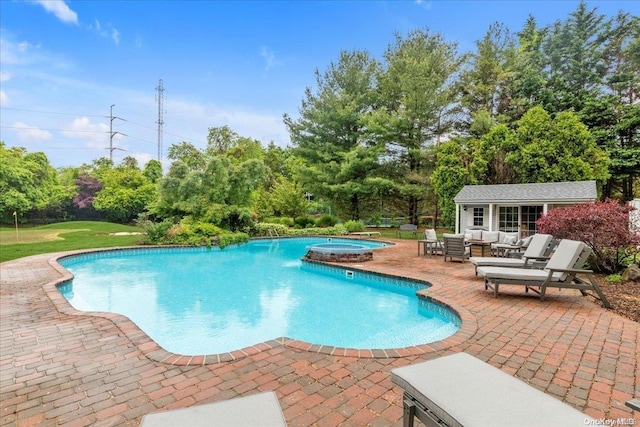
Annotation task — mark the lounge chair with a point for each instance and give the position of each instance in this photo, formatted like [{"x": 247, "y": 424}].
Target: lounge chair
[
  {"x": 455, "y": 247},
  {"x": 633, "y": 404},
  {"x": 539, "y": 249},
  {"x": 560, "y": 272},
  {"x": 260, "y": 409},
  {"x": 430, "y": 243},
  {"x": 460, "y": 390}
]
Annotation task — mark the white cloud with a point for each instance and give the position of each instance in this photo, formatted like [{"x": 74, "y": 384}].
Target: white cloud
[
  {"x": 28, "y": 133},
  {"x": 4, "y": 76},
  {"x": 4, "y": 98},
  {"x": 60, "y": 9},
  {"x": 96, "y": 135},
  {"x": 110, "y": 32},
  {"x": 269, "y": 57},
  {"x": 115, "y": 35},
  {"x": 12, "y": 53},
  {"x": 424, "y": 4},
  {"x": 192, "y": 119}
]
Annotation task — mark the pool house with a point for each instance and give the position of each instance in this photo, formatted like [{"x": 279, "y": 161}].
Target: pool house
[{"x": 516, "y": 207}]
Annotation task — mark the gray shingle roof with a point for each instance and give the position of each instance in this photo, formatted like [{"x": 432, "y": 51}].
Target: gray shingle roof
[{"x": 572, "y": 192}]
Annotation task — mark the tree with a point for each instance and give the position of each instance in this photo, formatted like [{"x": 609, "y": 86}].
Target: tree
[
  {"x": 126, "y": 192},
  {"x": 87, "y": 186},
  {"x": 28, "y": 183},
  {"x": 219, "y": 194},
  {"x": 450, "y": 175},
  {"x": 153, "y": 171},
  {"x": 416, "y": 98},
  {"x": 332, "y": 136},
  {"x": 288, "y": 198},
  {"x": 615, "y": 117},
  {"x": 488, "y": 83},
  {"x": 222, "y": 141},
  {"x": 529, "y": 69},
  {"x": 188, "y": 154},
  {"x": 555, "y": 150},
  {"x": 574, "y": 51},
  {"x": 488, "y": 165}
]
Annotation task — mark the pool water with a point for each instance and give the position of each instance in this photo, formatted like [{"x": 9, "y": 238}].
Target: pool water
[{"x": 195, "y": 301}]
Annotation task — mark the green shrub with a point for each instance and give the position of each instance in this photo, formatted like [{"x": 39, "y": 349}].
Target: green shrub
[
  {"x": 326, "y": 221},
  {"x": 614, "y": 278},
  {"x": 284, "y": 220},
  {"x": 156, "y": 232},
  {"x": 262, "y": 229},
  {"x": 265, "y": 229},
  {"x": 226, "y": 239},
  {"x": 353, "y": 226},
  {"x": 304, "y": 221}
]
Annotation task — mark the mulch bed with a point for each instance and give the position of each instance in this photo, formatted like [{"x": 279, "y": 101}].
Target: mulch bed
[{"x": 624, "y": 297}]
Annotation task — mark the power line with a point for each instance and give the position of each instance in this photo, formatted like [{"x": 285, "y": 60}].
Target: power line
[
  {"x": 52, "y": 130},
  {"x": 50, "y": 112},
  {"x": 184, "y": 138}
]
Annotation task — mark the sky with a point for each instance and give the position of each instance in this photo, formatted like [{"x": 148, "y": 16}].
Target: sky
[{"x": 79, "y": 79}]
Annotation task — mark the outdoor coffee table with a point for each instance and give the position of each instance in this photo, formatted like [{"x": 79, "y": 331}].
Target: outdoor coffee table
[{"x": 483, "y": 246}]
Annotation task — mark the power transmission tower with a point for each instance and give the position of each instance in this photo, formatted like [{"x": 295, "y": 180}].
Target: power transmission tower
[
  {"x": 160, "y": 122},
  {"x": 112, "y": 133}
]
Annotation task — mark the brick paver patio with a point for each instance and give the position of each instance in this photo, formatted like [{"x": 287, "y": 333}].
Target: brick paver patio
[{"x": 58, "y": 367}]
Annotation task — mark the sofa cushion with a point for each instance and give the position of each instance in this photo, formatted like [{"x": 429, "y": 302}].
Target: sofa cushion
[
  {"x": 491, "y": 236},
  {"x": 508, "y": 238},
  {"x": 474, "y": 234}
]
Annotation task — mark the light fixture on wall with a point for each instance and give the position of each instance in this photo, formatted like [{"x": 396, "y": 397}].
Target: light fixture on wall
[{"x": 464, "y": 207}]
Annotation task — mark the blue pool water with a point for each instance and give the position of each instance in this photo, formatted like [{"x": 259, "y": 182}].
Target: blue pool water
[{"x": 206, "y": 300}]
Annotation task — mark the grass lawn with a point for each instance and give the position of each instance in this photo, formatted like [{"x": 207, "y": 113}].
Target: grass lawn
[{"x": 63, "y": 236}]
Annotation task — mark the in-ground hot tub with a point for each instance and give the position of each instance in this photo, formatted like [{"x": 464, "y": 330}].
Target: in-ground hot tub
[{"x": 339, "y": 252}]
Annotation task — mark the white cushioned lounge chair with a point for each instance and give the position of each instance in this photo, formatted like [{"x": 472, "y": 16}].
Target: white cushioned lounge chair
[
  {"x": 460, "y": 390},
  {"x": 539, "y": 249},
  {"x": 260, "y": 409},
  {"x": 560, "y": 272}
]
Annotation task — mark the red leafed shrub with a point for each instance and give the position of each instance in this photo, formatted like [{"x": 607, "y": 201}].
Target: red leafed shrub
[{"x": 604, "y": 226}]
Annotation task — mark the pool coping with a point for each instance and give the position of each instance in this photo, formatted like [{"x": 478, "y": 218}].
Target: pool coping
[{"x": 153, "y": 351}]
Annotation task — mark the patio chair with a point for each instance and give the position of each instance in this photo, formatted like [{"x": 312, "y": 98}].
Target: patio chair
[
  {"x": 539, "y": 249},
  {"x": 560, "y": 272},
  {"x": 430, "y": 243},
  {"x": 455, "y": 247},
  {"x": 260, "y": 409},
  {"x": 460, "y": 390}
]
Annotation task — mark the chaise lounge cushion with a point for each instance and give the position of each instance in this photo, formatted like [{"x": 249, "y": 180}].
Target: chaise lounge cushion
[
  {"x": 464, "y": 391},
  {"x": 261, "y": 409}
]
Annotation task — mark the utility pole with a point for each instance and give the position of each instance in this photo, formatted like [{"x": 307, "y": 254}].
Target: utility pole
[
  {"x": 160, "y": 121},
  {"x": 112, "y": 133}
]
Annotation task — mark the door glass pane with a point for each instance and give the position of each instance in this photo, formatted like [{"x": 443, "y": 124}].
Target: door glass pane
[
  {"x": 508, "y": 219},
  {"x": 530, "y": 215}
]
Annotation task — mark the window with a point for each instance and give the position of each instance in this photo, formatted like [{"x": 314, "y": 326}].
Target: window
[
  {"x": 478, "y": 216},
  {"x": 529, "y": 216},
  {"x": 508, "y": 219}
]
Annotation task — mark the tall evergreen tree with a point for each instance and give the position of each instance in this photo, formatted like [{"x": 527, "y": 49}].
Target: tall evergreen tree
[
  {"x": 417, "y": 99},
  {"x": 332, "y": 136},
  {"x": 488, "y": 82}
]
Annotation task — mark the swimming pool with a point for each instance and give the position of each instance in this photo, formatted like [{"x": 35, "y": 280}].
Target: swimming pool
[{"x": 195, "y": 301}]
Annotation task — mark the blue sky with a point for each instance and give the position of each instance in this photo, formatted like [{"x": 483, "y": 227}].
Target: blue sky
[{"x": 238, "y": 63}]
